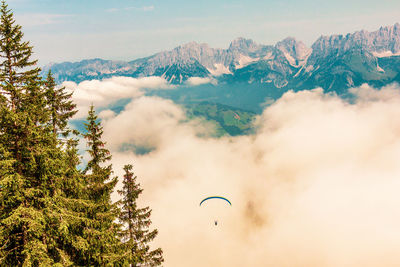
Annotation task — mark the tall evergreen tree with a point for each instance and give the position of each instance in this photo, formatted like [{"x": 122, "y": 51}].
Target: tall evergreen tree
[
  {"x": 70, "y": 218},
  {"x": 51, "y": 212},
  {"x": 61, "y": 106},
  {"x": 16, "y": 54},
  {"x": 6, "y": 179},
  {"x": 17, "y": 74},
  {"x": 32, "y": 163},
  {"x": 23, "y": 196},
  {"x": 136, "y": 235},
  {"x": 102, "y": 232}
]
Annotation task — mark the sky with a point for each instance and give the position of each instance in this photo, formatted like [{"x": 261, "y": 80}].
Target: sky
[{"x": 72, "y": 30}]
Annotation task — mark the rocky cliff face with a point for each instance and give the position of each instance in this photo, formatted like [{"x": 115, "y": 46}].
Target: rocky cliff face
[
  {"x": 386, "y": 39},
  {"x": 295, "y": 52}
]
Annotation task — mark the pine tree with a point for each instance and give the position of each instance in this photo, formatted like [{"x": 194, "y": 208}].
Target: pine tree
[
  {"x": 61, "y": 106},
  {"x": 102, "y": 231},
  {"x": 16, "y": 75},
  {"x": 16, "y": 71},
  {"x": 136, "y": 235},
  {"x": 6, "y": 179},
  {"x": 51, "y": 212},
  {"x": 71, "y": 188},
  {"x": 23, "y": 199},
  {"x": 32, "y": 165},
  {"x": 70, "y": 218}
]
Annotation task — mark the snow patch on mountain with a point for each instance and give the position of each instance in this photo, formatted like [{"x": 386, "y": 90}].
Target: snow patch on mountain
[
  {"x": 290, "y": 59},
  {"x": 92, "y": 73},
  {"x": 385, "y": 54},
  {"x": 295, "y": 52},
  {"x": 378, "y": 68},
  {"x": 309, "y": 68},
  {"x": 244, "y": 61},
  {"x": 219, "y": 69},
  {"x": 268, "y": 56}
]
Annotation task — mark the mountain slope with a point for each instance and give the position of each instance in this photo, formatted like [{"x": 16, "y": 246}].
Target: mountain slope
[
  {"x": 334, "y": 63},
  {"x": 228, "y": 120}
]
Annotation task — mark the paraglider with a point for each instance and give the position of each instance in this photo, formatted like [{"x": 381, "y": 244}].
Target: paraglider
[{"x": 216, "y": 197}]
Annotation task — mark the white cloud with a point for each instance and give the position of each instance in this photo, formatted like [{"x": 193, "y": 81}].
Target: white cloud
[
  {"x": 107, "y": 114},
  {"x": 144, "y": 120},
  {"x": 219, "y": 69},
  {"x": 105, "y": 92},
  {"x": 194, "y": 81},
  {"x": 148, "y": 8},
  {"x": 317, "y": 185}
]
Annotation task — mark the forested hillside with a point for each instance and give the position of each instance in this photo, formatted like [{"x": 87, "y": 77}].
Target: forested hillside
[{"x": 53, "y": 213}]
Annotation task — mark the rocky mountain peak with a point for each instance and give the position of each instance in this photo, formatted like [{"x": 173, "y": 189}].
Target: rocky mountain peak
[
  {"x": 386, "y": 39},
  {"x": 323, "y": 45},
  {"x": 288, "y": 41},
  {"x": 288, "y": 61},
  {"x": 193, "y": 45},
  {"x": 296, "y": 49},
  {"x": 389, "y": 30},
  {"x": 243, "y": 45}
]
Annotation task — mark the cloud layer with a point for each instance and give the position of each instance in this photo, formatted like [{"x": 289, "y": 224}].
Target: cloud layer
[
  {"x": 194, "y": 81},
  {"x": 105, "y": 92},
  {"x": 317, "y": 185}
]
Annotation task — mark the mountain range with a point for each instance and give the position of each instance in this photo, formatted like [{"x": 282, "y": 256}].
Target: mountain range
[{"x": 335, "y": 63}]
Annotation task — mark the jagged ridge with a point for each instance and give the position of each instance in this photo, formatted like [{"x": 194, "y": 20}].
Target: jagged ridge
[{"x": 333, "y": 62}]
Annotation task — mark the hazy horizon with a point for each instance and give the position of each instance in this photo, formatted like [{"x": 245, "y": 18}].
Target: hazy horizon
[{"x": 126, "y": 30}]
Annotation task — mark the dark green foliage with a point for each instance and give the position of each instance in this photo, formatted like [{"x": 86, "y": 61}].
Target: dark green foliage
[
  {"x": 51, "y": 212},
  {"x": 136, "y": 235},
  {"x": 250, "y": 97},
  {"x": 178, "y": 72},
  {"x": 60, "y": 104},
  {"x": 27, "y": 182},
  {"x": 15, "y": 55},
  {"x": 101, "y": 233},
  {"x": 228, "y": 120}
]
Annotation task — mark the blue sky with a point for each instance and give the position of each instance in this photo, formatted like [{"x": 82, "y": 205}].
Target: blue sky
[{"x": 71, "y": 30}]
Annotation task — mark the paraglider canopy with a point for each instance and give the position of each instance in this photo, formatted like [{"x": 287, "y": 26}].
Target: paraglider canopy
[{"x": 215, "y": 197}]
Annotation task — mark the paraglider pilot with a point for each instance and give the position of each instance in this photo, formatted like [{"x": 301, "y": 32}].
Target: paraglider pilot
[{"x": 217, "y": 197}]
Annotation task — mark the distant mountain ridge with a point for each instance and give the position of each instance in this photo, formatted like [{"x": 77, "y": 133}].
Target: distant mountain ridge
[{"x": 333, "y": 62}]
